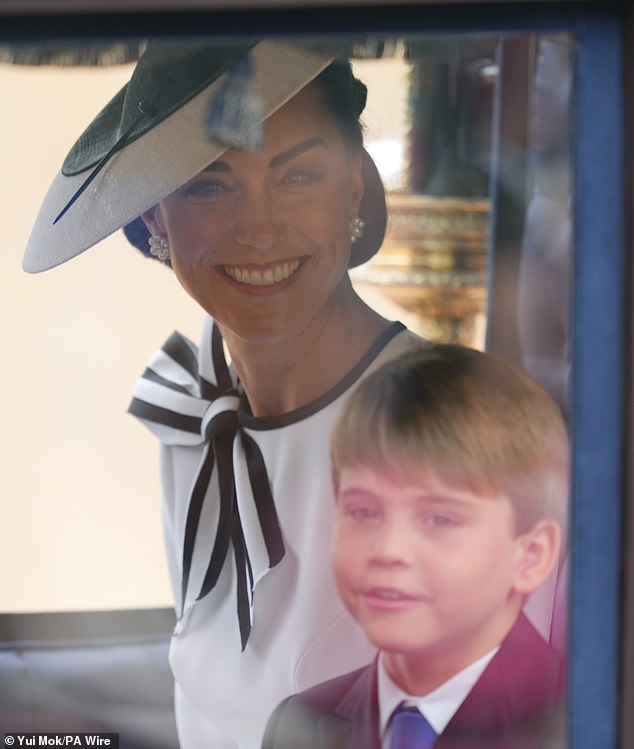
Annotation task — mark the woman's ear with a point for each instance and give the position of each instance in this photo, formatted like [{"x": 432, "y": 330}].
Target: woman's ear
[
  {"x": 537, "y": 554},
  {"x": 153, "y": 220}
]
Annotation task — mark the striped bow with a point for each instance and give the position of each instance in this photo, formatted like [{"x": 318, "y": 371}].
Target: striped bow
[{"x": 184, "y": 407}]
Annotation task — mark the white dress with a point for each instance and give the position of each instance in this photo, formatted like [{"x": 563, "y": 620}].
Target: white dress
[{"x": 227, "y": 684}]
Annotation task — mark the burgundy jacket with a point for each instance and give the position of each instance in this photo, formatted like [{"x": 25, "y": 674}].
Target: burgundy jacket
[{"x": 517, "y": 703}]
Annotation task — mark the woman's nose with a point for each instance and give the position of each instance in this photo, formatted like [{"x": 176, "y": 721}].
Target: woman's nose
[{"x": 258, "y": 225}]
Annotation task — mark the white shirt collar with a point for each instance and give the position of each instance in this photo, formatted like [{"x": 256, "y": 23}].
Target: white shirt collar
[{"x": 438, "y": 706}]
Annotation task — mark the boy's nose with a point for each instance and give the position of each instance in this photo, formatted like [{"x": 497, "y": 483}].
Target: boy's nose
[{"x": 392, "y": 544}]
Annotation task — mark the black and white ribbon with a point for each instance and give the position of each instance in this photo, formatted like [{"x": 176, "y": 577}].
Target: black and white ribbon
[{"x": 184, "y": 404}]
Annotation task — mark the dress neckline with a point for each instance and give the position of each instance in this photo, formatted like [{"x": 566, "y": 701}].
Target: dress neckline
[{"x": 277, "y": 421}]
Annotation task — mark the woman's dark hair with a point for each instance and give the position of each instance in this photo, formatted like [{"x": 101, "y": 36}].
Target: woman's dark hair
[{"x": 345, "y": 97}]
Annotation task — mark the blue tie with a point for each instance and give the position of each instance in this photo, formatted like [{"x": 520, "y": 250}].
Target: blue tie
[{"x": 410, "y": 730}]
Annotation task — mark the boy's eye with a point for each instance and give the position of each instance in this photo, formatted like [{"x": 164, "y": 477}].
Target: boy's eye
[
  {"x": 440, "y": 520},
  {"x": 361, "y": 513}
]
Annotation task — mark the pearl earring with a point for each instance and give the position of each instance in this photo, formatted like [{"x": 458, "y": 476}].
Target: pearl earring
[
  {"x": 356, "y": 228},
  {"x": 159, "y": 247}
]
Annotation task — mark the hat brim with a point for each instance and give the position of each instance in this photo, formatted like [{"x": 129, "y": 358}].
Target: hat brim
[{"x": 145, "y": 171}]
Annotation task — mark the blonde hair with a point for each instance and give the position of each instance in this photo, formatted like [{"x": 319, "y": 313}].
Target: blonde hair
[{"x": 473, "y": 419}]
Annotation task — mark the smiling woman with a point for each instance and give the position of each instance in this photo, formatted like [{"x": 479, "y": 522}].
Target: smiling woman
[
  {"x": 261, "y": 235},
  {"x": 238, "y": 229}
]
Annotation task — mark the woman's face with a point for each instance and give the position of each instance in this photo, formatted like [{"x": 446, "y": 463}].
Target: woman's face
[{"x": 261, "y": 239}]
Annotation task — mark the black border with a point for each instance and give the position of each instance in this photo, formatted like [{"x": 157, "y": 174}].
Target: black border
[{"x": 344, "y": 20}]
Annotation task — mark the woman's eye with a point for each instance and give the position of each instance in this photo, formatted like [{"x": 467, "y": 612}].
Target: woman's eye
[
  {"x": 204, "y": 190},
  {"x": 301, "y": 177}
]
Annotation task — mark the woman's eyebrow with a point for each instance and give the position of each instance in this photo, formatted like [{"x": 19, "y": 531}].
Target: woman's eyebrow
[
  {"x": 281, "y": 158},
  {"x": 291, "y": 153}
]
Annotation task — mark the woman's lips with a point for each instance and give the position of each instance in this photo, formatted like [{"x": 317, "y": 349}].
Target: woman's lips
[{"x": 271, "y": 274}]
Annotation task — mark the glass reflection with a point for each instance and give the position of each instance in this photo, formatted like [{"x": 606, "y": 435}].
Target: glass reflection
[{"x": 472, "y": 138}]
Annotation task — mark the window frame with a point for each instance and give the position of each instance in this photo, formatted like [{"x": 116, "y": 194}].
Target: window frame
[{"x": 600, "y": 681}]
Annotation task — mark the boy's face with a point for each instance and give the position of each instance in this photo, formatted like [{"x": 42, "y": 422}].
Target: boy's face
[{"x": 432, "y": 573}]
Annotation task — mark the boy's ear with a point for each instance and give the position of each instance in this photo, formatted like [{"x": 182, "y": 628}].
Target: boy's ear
[{"x": 538, "y": 552}]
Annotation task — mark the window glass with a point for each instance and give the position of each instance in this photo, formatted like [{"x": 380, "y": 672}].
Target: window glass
[{"x": 471, "y": 135}]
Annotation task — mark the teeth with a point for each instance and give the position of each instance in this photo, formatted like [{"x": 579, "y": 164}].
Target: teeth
[{"x": 262, "y": 278}]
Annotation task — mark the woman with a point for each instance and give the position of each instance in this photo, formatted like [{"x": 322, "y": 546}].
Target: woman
[{"x": 260, "y": 224}]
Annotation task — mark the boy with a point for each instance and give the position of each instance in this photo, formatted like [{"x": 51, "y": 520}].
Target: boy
[{"x": 450, "y": 471}]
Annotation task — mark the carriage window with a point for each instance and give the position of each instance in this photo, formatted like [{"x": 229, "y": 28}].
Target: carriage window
[{"x": 471, "y": 136}]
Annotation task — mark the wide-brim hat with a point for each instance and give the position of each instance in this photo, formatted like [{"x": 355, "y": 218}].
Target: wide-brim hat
[{"x": 154, "y": 135}]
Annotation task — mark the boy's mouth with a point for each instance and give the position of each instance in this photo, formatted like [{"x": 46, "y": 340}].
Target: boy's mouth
[{"x": 389, "y": 594}]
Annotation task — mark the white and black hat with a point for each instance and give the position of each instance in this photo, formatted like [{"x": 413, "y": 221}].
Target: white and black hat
[{"x": 158, "y": 132}]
